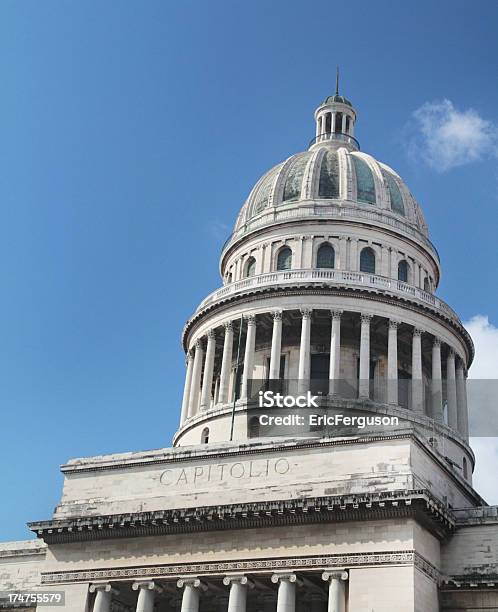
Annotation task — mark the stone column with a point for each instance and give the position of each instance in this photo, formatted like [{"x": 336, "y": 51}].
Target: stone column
[
  {"x": 343, "y": 245},
  {"x": 304, "y": 351},
  {"x": 392, "y": 363},
  {"x": 226, "y": 363},
  {"x": 417, "y": 388},
  {"x": 145, "y": 601},
  {"x": 353, "y": 255},
  {"x": 276, "y": 346},
  {"x": 384, "y": 266},
  {"x": 462, "y": 414},
  {"x": 249, "y": 355},
  {"x": 186, "y": 388},
  {"x": 337, "y": 590},
  {"x": 437, "y": 382},
  {"x": 332, "y": 122},
  {"x": 364, "y": 374},
  {"x": 238, "y": 591},
  {"x": 335, "y": 353},
  {"x": 192, "y": 588},
  {"x": 343, "y": 127},
  {"x": 103, "y": 596},
  {"x": 195, "y": 386},
  {"x": 286, "y": 599},
  {"x": 451, "y": 395},
  {"x": 207, "y": 382}
]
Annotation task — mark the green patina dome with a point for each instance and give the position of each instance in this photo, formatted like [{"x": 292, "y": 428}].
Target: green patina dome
[{"x": 337, "y": 98}]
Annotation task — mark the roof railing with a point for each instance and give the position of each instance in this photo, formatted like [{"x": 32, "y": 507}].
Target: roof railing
[{"x": 336, "y": 136}]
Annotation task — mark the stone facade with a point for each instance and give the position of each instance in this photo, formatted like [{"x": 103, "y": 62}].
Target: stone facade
[{"x": 329, "y": 280}]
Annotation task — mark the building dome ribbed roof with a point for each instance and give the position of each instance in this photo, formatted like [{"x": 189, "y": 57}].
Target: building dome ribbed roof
[
  {"x": 328, "y": 176},
  {"x": 337, "y": 98}
]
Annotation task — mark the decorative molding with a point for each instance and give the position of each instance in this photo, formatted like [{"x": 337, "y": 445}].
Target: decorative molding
[
  {"x": 306, "y": 312},
  {"x": 191, "y": 573},
  {"x": 417, "y": 503}
]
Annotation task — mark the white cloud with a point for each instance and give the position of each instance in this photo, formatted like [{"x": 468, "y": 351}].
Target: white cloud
[
  {"x": 444, "y": 137},
  {"x": 485, "y": 366}
]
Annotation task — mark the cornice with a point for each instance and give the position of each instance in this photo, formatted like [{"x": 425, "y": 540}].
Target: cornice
[
  {"x": 418, "y": 504},
  {"x": 299, "y": 289}
]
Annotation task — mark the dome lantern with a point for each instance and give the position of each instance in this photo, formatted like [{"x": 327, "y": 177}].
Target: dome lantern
[{"x": 335, "y": 120}]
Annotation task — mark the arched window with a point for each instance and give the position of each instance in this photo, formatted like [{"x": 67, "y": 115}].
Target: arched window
[
  {"x": 403, "y": 271},
  {"x": 250, "y": 267},
  {"x": 284, "y": 259},
  {"x": 367, "y": 260},
  {"x": 427, "y": 284},
  {"x": 325, "y": 258},
  {"x": 395, "y": 195},
  {"x": 205, "y": 435}
]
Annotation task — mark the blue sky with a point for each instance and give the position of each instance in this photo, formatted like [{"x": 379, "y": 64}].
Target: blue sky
[{"x": 130, "y": 135}]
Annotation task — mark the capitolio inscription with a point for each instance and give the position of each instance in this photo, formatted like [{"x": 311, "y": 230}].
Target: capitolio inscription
[{"x": 259, "y": 469}]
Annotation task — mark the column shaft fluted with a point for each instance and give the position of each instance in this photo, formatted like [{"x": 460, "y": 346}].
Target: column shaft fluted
[
  {"x": 276, "y": 346},
  {"x": 451, "y": 395},
  {"x": 364, "y": 374},
  {"x": 249, "y": 355},
  {"x": 462, "y": 413},
  {"x": 335, "y": 353},
  {"x": 436, "y": 382},
  {"x": 195, "y": 387},
  {"x": 417, "y": 383},
  {"x": 304, "y": 351},
  {"x": 190, "y": 599},
  {"x": 207, "y": 383},
  {"x": 103, "y": 599},
  {"x": 226, "y": 363},
  {"x": 392, "y": 363},
  {"x": 286, "y": 599},
  {"x": 186, "y": 388}
]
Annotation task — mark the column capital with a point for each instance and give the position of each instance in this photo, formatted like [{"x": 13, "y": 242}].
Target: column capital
[
  {"x": 189, "y": 355},
  {"x": 436, "y": 343},
  {"x": 333, "y": 574},
  {"x": 306, "y": 312},
  {"x": 277, "y": 315},
  {"x": 336, "y": 314},
  {"x": 192, "y": 581},
  {"x": 393, "y": 324},
  {"x": 211, "y": 334},
  {"x": 198, "y": 344},
  {"x": 148, "y": 585},
  {"x": 238, "y": 578},
  {"x": 451, "y": 353},
  {"x": 251, "y": 319},
  {"x": 366, "y": 318},
  {"x": 417, "y": 331},
  {"x": 228, "y": 325},
  {"x": 286, "y": 577},
  {"x": 102, "y": 586}
]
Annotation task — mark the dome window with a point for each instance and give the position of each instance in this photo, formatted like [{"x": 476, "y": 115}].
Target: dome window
[
  {"x": 294, "y": 181},
  {"x": 205, "y": 435},
  {"x": 403, "y": 271},
  {"x": 329, "y": 176},
  {"x": 395, "y": 195},
  {"x": 427, "y": 285},
  {"x": 365, "y": 186},
  {"x": 367, "y": 260},
  {"x": 325, "y": 257},
  {"x": 250, "y": 269},
  {"x": 284, "y": 259}
]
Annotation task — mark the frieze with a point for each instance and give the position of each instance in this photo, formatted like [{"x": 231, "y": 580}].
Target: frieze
[{"x": 367, "y": 559}]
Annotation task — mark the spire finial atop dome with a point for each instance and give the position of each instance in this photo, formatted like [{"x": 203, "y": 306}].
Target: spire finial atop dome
[{"x": 337, "y": 81}]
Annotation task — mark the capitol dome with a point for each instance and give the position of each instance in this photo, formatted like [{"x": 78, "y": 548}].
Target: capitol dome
[{"x": 333, "y": 173}]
